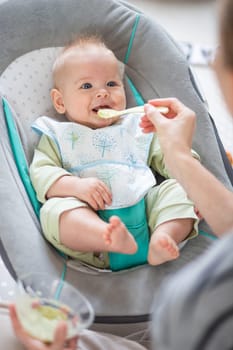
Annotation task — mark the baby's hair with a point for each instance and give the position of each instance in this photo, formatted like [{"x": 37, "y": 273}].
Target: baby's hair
[
  {"x": 85, "y": 39},
  {"x": 81, "y": 41}
]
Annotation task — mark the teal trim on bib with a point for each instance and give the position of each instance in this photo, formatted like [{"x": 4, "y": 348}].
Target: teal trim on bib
[{"x": 135, "y": 220}]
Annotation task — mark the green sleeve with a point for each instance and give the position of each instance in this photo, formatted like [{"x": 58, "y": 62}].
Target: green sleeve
[
  {"x": 156, "y": 158},
  {"x": 46, "y": 167}
]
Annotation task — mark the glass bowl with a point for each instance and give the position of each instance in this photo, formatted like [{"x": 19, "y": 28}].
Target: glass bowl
[{"x": 42, "y": 302}]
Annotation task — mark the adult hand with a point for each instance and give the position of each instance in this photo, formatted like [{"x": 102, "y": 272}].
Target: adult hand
[
  {"x": 175, "y": 129},
  {"x": 31, "y": 343}
]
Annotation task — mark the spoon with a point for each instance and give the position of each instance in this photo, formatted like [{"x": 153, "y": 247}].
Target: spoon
[{"x": 106, "y": 113}]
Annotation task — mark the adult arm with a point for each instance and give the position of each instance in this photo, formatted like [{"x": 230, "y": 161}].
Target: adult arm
[{"x": 175, "y": 132}]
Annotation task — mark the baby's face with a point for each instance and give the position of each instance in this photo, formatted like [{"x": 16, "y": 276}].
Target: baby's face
[{"x": 91, "y": 81}]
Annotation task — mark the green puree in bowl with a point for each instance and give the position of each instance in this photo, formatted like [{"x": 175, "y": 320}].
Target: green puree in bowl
[
  {"x": 40, "y": 317},
  {"x": 51, "y": 313}
]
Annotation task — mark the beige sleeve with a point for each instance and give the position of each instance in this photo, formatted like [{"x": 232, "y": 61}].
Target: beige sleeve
[{"x": 46, "y": 167}]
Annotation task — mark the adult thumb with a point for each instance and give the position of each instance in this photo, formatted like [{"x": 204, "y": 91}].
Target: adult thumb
[{"x": 151, "y": 112}]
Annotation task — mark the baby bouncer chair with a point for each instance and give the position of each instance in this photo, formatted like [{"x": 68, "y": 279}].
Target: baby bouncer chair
[{"x": 31, "y": 33}]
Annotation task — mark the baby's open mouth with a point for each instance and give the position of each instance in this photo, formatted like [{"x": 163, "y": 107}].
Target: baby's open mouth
[{"x": 96, "y": 109}]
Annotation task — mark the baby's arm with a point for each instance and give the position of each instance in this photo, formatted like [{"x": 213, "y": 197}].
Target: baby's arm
[
  {"x": 51, "y": 180},
  {"x": 46, "y": 167},
  {"x": 90, "y": 190}
]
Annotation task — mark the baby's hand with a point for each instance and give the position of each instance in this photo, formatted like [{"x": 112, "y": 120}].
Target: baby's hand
[{"x": 94, "y": 192}]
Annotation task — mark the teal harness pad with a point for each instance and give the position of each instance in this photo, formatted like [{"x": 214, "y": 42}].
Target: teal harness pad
[{"x": 135, "y": 220}]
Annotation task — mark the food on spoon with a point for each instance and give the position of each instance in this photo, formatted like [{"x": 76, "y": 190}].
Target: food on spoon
[{"x": 107, "y": 113}]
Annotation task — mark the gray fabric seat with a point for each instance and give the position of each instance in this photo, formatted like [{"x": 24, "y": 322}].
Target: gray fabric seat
[{"x": 157, "y": 68}]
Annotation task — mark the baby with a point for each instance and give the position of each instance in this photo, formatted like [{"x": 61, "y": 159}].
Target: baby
[{"x": 93, "y": 175}]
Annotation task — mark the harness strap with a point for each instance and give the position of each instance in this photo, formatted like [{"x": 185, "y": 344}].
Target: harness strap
[{"x": 136, "y": 94}]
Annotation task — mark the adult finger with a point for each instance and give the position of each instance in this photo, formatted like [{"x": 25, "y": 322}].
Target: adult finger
[
  {"x": 174, "y": 105},
  {"x": 59, "y": 337},
  {"x": 29, "y": 342},
  {"x": 14, "y": 319},
  {"x": 72, "y": 343},
  {"x": 60, "y": 342},
  {"x": 154, "y": 116}
]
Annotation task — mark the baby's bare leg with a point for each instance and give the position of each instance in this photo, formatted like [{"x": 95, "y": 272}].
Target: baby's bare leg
[
  {"x": 82, "y": 230},
  {"x": 165, "y": 239}
]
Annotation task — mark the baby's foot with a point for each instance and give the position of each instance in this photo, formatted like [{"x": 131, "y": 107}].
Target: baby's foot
[
  {"x": 118, "y": 238},
  {"x": 162, "y": 248}
]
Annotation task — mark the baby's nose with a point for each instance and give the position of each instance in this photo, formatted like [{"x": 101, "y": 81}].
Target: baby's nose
[{"x": 102, "y": 93}]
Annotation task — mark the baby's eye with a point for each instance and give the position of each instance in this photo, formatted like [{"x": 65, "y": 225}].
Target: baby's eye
[
  {"x": 111, "y": 83},
  {"x": 86, "y": 86}
]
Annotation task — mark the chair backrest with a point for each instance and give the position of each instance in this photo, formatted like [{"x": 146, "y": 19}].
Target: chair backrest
[{"x": 31, "y": 33}]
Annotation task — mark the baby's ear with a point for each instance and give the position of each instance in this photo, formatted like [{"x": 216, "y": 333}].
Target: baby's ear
[{"x": 57, "y": 100}]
